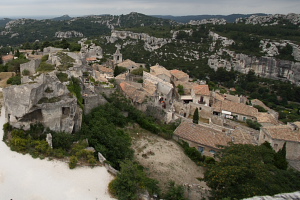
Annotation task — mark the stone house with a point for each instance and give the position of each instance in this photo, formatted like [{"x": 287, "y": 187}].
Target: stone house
[
  {"x": 200, "y": 94},
  {"x": 278, "y": 135},
  {"x": 162, "y": 90},
  {"x": 203, "y": 138},
  {"x": 7, "y": 58},
  {"x": 135, "y": 92},
  {"x": 130, "y": 65},
  {"x": 178, "y": 75},
  {"x": 239, "y": 111},
  {"x": 161, "y": 72}
]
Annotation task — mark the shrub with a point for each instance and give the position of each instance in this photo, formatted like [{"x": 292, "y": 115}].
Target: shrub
[
  {"x": 260, "y": 108},
  {"x": 26, "y": 72},
  {"x": 45, "y": 67},
  {"x": 73, "y": 162},
  {"x": 253, "y": 124},
  {"x": 15, "y": 80},
  {"x": 63, "y": 77}
]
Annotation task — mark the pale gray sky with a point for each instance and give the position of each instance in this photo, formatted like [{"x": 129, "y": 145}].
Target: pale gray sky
[{"x": 149, "y": 7}]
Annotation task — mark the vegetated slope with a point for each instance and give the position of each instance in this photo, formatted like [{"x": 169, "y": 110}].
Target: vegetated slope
[
  {"x": 185, "y": 19},
  {"x": 29, "y": 30}
]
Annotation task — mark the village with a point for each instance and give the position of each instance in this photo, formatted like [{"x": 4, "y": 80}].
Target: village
[{"x": 168, "y": 95}]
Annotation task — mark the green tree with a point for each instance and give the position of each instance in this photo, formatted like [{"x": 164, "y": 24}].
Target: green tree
[
  {"x": 180, "y": 89},
  {"x": 280, "y": 158},
  {"x": 131, "y": 181},
  {"x": 119, "y": 70},
  {"x": 175, "y": 192},
  {"x": 196, "y": 116},
  {"x": 248, "y": 170}
]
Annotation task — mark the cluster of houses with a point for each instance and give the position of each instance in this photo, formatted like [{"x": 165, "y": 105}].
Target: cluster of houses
[
  {"x": 221, "y": 115},
  {"x": 171, "y": 95}
]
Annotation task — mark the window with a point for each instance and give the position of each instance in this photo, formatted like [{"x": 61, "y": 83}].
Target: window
[
  {"x": 201, "y": 149},
  {"x": 212, "y": 151}
]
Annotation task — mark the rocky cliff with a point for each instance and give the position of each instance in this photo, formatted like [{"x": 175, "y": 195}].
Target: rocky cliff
[{"x": 47, "y": 101}]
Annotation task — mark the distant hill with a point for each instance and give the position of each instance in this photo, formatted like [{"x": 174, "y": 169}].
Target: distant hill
[
  {"x": 62, "y": 18},
  {"x": 4, "y": 21},
  {"x": 185, "y": 19}
]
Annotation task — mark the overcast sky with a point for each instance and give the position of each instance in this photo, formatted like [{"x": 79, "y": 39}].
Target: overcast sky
[{"x": 150, "y": 7}]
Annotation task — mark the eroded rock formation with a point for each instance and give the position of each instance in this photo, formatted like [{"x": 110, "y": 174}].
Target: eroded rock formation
[{"x": 47, "y": 101}]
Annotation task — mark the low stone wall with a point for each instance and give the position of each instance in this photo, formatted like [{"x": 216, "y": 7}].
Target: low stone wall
[{"x": 109, "y": 168}]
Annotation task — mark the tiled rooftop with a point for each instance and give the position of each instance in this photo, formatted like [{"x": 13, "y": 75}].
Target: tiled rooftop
[
  {"x": 179, "y": 74},
  {"x": 201, "y": 135},
  {"x": 201, "y": 90},
  {"x": 157, "y": 70},
  {"x": 135, "y": 93},
  {"x": 283, "y": 132},
  {"x": 233, "y": 107}
]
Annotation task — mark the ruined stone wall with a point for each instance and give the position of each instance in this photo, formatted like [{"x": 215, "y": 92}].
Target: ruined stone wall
[
  {"x": 31, "y": 66},
  {"x": 92, "y": 101}
]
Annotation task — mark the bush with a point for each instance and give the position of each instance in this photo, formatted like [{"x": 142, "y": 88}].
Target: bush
[
  {"x": 260, "y": 108},
  {"x": 26, "y": 72},
  {"x": 253, "y": 124},
  {"x": 63, "y": 77},
  {"x": 15, "y": 80},
  {"x": 73, "y": 162},
  {"x": 45, "y": 67}
]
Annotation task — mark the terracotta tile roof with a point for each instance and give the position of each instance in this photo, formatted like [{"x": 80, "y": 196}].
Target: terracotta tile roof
[
  {"x": 7, "y": 57},
  {"x": 263, "y": 117},
  {"x": 201, "y": 134},
  {"x": 241, "y": 136},
  {"x": 179, "y": 74},
  {"x": 91, "y": 59},
  {"x": 234, "y": 107},
  {"x": 134, "y": 93},
  {"x": 282, "y": 132},
  {"x": 150, "y": 86},
  {"x": 201, "y": 90},
  {"x": 157, "y": 70},
  {"x": 128, "y": 64},
  {"x": 105, "y": 69}
]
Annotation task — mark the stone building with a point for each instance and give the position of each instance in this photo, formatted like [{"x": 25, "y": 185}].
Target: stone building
[
  {"x": 178, "y": 75},
  {"x": 200, "y": 94},
  {"x": 278, "y": 135},
  {"x": 239, "y": 111},
  {"x": 203, "y": 138},
  {"x": 161, "y": 72}
]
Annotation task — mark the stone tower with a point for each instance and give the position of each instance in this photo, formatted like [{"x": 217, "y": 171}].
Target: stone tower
[{"x": 118, "y": 56}]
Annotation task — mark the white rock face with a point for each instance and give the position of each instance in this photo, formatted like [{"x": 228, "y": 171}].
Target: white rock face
[
  {"x": 214, "y": 21},
  {"x": 68, "y": 34},
  {"x": 287, "y": 196},
  {"x": 47, "y": 101},
  {"x": 270, "y": 19},
  {"x": 151, "y": 43}
]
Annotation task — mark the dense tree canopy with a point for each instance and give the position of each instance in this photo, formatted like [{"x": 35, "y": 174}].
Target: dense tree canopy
[{"x": 248, "y": 170}]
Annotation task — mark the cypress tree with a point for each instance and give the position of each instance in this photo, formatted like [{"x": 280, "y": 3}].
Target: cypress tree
[{"x": 196, "y": 116}]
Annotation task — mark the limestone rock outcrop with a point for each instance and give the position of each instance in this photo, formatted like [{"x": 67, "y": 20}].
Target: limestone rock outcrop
[
  {"x": 270, "y": 19},
  {"x": 47, "y": 101},
  {"x": 68, "y": 34},
  {"x": 151, "y": 43}
]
